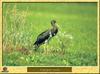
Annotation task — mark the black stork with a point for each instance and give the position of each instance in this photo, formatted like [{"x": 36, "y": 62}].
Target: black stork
[{"x": 45, "y": 36}]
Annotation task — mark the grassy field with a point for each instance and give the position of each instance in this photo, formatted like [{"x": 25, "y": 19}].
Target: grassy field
[{"x": 74, "y": 45}]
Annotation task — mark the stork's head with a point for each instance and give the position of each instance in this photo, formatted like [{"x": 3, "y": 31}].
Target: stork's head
[{"x": 53, "y": 22}]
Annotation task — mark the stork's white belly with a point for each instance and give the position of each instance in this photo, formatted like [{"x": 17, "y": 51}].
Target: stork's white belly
[{"x": 50, "y": 34}]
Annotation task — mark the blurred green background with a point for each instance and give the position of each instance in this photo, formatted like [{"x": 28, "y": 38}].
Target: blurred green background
[{"x": 74, "y": 45}]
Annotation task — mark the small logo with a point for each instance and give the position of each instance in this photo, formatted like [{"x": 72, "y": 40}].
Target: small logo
[{"x": 5, "y": 69}]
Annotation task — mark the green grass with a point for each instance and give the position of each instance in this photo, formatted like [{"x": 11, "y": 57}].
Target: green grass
[{"x": 74, "y": 45}]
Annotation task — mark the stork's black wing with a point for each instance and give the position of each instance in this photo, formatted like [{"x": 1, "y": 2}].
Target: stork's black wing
[{"x": 42, "y": 37}]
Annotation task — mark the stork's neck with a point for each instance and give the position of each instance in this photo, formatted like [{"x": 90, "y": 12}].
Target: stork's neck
[{"x": 54, "y": 26}]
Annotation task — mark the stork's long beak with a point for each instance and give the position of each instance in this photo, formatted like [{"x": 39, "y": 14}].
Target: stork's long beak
[{"x": 58, "y": 26}]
